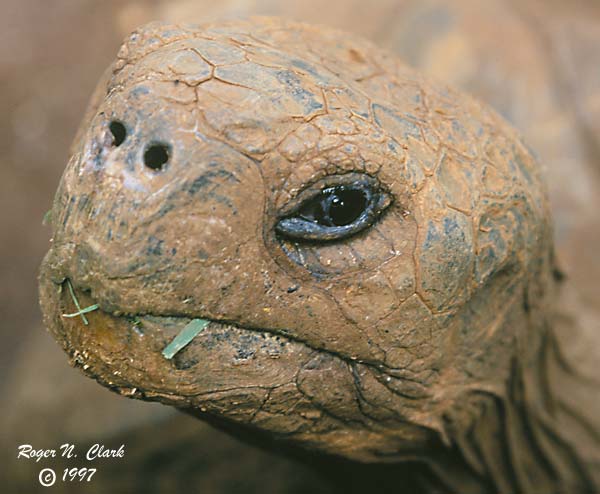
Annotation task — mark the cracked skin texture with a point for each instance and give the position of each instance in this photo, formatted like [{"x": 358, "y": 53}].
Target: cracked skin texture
[{"x": 425, "y": 338}]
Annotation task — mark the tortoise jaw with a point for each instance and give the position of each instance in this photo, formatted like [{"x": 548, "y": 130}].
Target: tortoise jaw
[
  {"x": 125, "y": 353},
  {"x": 227, "y": 373}
]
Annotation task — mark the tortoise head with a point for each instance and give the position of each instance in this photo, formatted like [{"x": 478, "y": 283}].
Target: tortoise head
[{"x": 367, "y": 246}]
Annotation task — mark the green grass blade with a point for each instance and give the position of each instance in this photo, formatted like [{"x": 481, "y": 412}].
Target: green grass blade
[
  {"x": 76, "y": 302},
  {"x": 186, "y": 335},
  {"x": 46, "y": 220},
  {"x": 90, "y": 308}
]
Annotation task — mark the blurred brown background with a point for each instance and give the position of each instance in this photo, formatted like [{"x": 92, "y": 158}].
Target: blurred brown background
[{"x": 537, "y": 62}]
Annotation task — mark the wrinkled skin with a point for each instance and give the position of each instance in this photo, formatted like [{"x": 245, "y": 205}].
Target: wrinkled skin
[{"x": 425, "y": 337}]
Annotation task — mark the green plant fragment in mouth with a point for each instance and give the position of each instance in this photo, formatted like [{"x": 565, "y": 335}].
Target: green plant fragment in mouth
[
  {"x": 47, "y": 218},
  {"x": 186, "y": 335},
  {"x": 85, "y": 310},
  {"x": 80, "y": 312}
]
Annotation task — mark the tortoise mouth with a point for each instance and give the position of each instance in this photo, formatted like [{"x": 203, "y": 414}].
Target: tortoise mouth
[
  {"x": 125, "y": 353},
  {"x": 227, "y": 374},
  {"x": 84, "y": 306}
]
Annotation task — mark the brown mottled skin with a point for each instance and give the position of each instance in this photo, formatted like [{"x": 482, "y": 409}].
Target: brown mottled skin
[{"x": 426, "y": 339}]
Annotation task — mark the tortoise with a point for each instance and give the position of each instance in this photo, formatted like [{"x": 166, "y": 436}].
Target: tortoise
[{"x": 364, "y": 255}]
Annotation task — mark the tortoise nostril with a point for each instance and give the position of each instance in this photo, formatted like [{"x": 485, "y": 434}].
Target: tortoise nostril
[
  {"x": 118, "y": 131},
  {"x": 156, "y": 156}
]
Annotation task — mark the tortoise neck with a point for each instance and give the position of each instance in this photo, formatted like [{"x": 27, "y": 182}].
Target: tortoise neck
[{"x": 528, "y": 439}]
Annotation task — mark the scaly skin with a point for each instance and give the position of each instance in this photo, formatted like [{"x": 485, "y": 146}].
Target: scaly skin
[{"x": 425, "y": 338}]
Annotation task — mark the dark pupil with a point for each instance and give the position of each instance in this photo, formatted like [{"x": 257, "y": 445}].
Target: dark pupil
[{"x": 340, "y": 206}]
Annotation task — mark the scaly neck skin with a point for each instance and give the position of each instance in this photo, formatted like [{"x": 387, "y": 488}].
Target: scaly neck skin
[
  {"x": 520, "y": 442},
  {"x": 536, "y": 436}
]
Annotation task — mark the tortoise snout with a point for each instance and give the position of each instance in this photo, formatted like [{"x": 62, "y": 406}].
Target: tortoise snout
[{"x": 126, "y": 150}]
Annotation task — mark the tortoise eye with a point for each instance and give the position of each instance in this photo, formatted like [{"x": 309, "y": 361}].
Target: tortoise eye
[
  {"x": 335, "y": 206},
  {"x": 335, "y": 213}
]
